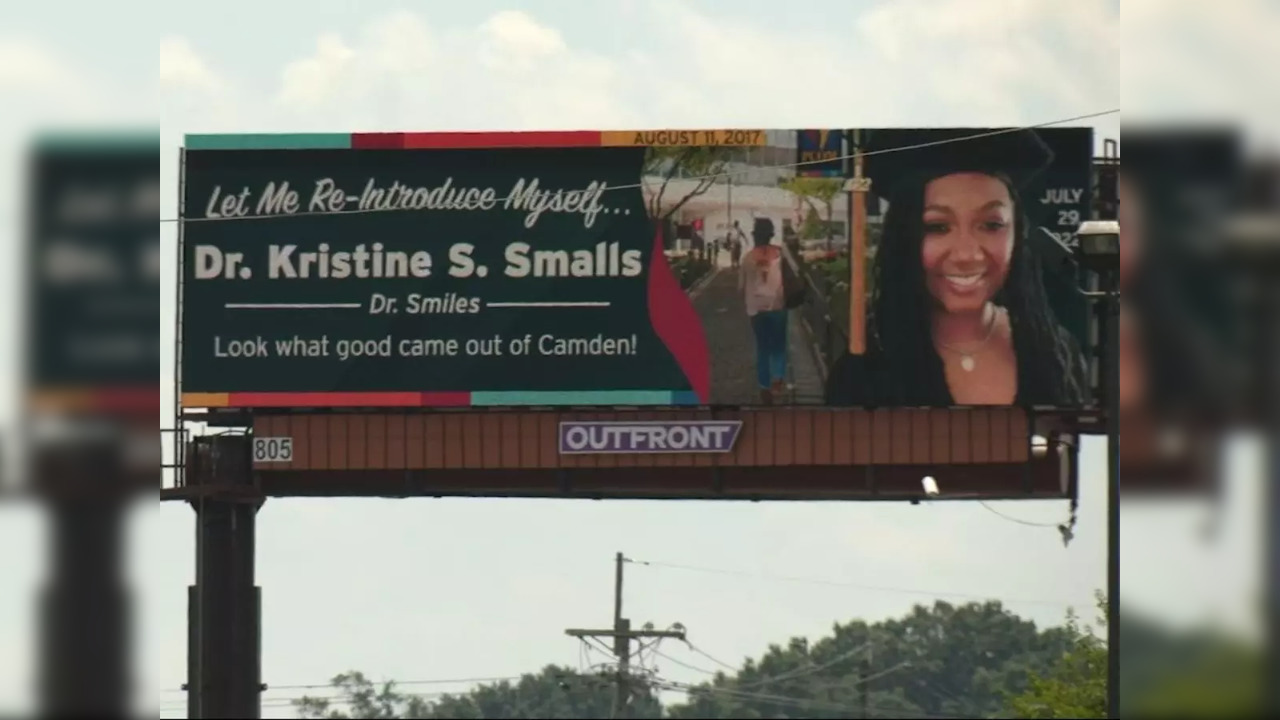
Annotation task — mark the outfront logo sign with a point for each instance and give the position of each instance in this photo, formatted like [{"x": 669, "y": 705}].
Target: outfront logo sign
[{"x": 615, "y": 438}]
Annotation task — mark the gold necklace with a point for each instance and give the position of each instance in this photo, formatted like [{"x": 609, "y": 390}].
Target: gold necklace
[{"x": 968, "y": 360}]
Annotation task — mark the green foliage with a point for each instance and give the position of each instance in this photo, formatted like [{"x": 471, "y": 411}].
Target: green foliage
[
  {"x": 817, "y": 192},
  {"x": 361, "y": 698},
  {"x": 819, "y": 189},
  {"x": 943, "y": 660},
  {"x": 700, "y": 164},
  {"x": 813, "y": 227},
  {"x": 553, "y": 693},
  {"x": 1193, "y": 674},
  {"x": 1076, "y": 685},
  {"x": 975, "y": 660}
]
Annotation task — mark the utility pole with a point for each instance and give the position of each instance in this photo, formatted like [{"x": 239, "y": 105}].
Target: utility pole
[
  {"x": 858, "y": 187},
  {"x": 864, "y": 677},
  {"x": 622, "y": 635}
]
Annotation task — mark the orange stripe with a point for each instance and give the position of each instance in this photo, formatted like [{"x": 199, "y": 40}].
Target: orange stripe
[
  {"x": 205, "y": 399},
  {"x": 683, "y": 138},
  {"x": 326, "y": 399}
]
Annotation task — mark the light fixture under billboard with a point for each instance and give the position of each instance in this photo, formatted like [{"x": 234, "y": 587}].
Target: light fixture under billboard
[{"x": 615, "y": 438}]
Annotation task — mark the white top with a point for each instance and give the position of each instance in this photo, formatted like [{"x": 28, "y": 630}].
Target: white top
[{"x": 760, "y": 279}]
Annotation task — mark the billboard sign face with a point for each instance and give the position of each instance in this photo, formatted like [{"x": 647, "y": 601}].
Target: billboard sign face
[
  {"x": 615, "y": 438},
  {"x": 543, "y": 269},
  {"x": 820, "y": 153}
]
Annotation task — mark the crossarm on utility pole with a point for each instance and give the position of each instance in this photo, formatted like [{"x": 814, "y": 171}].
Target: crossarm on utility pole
[{"x": 632, "y": 634}]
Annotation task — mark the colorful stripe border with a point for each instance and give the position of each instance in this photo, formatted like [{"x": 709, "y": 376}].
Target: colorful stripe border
[
  {"x": 442, "y": 399},
  {"x": 477, "y": 140}
]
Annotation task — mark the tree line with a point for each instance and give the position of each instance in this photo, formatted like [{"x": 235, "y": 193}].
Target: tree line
[{"x": 941, "y": 661}]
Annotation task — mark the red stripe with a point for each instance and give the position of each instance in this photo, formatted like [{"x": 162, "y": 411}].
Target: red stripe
[
  {"x": 351, "y": 399},
  {"x": 397, "y": 399},
  {"x": 476, "y": 140},
  {"x": 445, "y": 399},
  {"x": 127, "y": 397},
  {"x": 377, "y": 141}
]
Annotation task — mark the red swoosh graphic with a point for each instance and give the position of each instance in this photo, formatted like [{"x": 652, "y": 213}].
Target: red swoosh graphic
[{"x": 677, "y": 324}]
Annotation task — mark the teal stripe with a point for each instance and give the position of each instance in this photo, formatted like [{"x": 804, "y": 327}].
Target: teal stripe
[
  {"x": 98, "y": 141},
  {"x": 607, "y": 397},
  {"x": 279, "y": 141},
  {"x": 685, "y": 397}
]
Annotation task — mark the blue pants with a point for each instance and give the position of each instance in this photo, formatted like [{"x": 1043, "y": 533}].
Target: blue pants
[{"x": 771, "y": 346}]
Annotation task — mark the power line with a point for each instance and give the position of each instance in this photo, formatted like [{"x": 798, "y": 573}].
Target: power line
[
  {"x": 685, "y": 665},
  {"x": 395, "y": 683},
  {"x": 711, "y": 657},
  {"x": 797, "y": 703},
  {"x": 1020, "y": 521},
  {"x": 807, "y": 671},
  {"x": 726, "y": 173},
  {"x": 843, "y": 584}
]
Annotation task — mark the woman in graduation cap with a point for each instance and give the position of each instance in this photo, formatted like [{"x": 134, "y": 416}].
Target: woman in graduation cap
[{"x": 960, "y": 315}]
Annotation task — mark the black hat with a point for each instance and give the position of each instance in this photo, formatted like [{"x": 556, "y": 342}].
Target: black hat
[{"x": 1020, "y": 154}]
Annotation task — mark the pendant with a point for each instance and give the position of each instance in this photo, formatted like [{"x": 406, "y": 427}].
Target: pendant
[{"x": 967, "y": 363}]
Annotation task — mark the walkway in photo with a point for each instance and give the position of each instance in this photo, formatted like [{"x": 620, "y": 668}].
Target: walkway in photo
[{"x": 733, "y": 356}]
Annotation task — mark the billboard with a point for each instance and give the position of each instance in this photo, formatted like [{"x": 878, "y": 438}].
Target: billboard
[
  {"x": 647, "y": 268},
  {"x": 820, "y": 153}
]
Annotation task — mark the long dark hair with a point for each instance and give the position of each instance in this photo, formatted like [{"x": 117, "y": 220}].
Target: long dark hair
[{"x": 1050, "y": 366}]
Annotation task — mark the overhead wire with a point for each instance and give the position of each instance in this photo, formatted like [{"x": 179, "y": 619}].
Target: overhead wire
[
  {"x": 844, "y": 584},
  {"x": 797, "y": 703},
  {"x": 812, "y": 669},
  {"x": 687, "y": 666},
  {"x": 1010, "y": 518},
  {"x": 724, "y": 173},
  {"x": 396, "y": 683},
  {"x": 710, "y": 657}
]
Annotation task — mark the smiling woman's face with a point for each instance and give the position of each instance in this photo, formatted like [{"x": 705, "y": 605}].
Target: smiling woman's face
[{"x": 968, "y": 239}]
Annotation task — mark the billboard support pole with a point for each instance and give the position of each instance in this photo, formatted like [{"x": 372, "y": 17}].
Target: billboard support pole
[{"x": 224, "y": 658}]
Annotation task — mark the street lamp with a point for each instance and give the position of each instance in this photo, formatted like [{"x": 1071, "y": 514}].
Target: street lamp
[{"x": 1099, "y": 250}]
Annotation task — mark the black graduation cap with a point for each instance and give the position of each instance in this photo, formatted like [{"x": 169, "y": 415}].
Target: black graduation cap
[
  {"x": 1020, "y": 154},
  {"x": 763, "y": 226}
]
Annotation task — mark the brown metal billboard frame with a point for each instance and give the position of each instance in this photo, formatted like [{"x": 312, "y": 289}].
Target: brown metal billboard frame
[{"x": 782, "y": 453}]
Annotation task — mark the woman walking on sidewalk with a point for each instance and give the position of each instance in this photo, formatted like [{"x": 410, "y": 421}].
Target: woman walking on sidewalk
[
  {"x": 760, "y": 278},
  {"x": 734, "y": 239}
]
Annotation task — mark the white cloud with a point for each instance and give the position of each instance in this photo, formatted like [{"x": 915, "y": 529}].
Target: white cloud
[
  {"x": 996, "y": 60},
  {"x": 195, "y": 97},
  {"x": 313, "y": 81},
  {"x": 38, "y": 87},
  {"x": 1195, "y": 60},
  {"x": 25, "y": 63},
  {"x": 181, "y": 67},
  {"x": 909, "y": 62},
  {"x": 512, "y": 39}
]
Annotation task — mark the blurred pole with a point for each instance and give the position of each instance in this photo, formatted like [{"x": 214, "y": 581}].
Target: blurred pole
[
  {"x": 1269, "y": 358},
  {"x": 84, "y": 615},
  {"x": 1110, "y": 282}
]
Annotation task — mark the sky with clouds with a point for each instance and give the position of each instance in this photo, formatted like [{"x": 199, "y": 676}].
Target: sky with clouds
[{"x": 432, "y": 589}]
